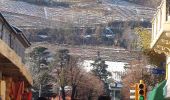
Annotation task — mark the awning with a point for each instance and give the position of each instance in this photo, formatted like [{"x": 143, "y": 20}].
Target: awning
[{"x": 157, "y": 92}]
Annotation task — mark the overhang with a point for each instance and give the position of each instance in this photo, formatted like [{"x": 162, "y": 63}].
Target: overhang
[
  {"x": 11, "y": 64},
  {"x": 161, "y": 42}
]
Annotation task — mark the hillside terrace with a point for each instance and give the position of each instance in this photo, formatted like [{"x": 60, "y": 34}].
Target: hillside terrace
[
  {"x": 89, "y": 14},
  {"x": 90, "y": 52},
  {"x": 21, "y": 8}
]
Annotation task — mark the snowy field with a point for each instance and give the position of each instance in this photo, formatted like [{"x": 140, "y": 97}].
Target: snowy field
[{"x": 116, "y": 68}]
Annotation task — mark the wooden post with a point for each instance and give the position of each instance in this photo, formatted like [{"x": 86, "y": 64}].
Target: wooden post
[
  {"x": 2, "y": 89},
  {"x": 8, "y": 81}
]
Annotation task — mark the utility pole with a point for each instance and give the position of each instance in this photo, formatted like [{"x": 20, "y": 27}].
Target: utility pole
[
  {"x": 59, "y": 94},
  {"x": 40, "y": 91},
  {"x": 64, "y": 57}
]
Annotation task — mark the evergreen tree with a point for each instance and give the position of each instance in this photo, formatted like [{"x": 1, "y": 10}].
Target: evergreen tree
[
  {"x": 63, "y": 58},
  {"x": 40, "y": 74},
  {"x": 100, "y": 70}
]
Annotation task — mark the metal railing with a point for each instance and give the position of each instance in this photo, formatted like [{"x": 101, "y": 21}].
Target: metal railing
[{"x": 14, "y": 44}]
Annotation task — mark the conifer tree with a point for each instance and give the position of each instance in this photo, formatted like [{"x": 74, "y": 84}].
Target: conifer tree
[{"x": 100, "y": 70}]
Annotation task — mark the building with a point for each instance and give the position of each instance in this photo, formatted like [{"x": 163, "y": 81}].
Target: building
[
  {"x": 160, "y": 41},
  {"x": 15, "y": 80}
]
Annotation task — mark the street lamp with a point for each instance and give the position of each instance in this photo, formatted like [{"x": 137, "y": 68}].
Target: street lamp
[
  {"x": 112, "y": 87},
  {"x": 106, "y": 87}
]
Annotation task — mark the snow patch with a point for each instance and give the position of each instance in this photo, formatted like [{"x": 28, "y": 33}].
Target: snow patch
[{"x": 116, "y": 68}]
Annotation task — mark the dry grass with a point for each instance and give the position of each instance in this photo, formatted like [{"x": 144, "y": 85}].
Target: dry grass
[{"x": 90, "y": 52}]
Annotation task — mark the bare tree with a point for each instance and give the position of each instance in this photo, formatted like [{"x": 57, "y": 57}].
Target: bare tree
[
  {"x": 75, "y": 74},
  {"x": 39, "y": 74},
  {"x": 138, "y": 71},
  {"x": 90, "y": 87},
  {"x": 83, "y": 84}
]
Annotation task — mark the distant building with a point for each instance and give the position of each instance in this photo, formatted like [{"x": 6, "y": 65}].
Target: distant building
[{"x": 15, "y": 80}]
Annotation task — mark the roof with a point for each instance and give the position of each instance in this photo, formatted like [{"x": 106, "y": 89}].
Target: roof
[{"x": 20, "y": 35}]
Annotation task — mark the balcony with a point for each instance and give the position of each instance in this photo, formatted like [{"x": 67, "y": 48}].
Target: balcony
[
  {"x": 11, "y": 64},
  {"x": 161, "y": 29}
]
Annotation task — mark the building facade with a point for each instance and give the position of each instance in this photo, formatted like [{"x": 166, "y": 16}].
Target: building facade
[
  {"x": 15, "y": 80},
  {"x": 160, "y": 41}
]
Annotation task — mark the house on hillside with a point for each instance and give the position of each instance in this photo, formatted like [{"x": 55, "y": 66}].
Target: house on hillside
[
  {"x": 160, "y": 41},
  {"x": 15, "y": 80}
]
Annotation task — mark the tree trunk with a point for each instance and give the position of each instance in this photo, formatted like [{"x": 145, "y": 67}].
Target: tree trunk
[
  {"x": 63, "y": 93},
  {"x": 73, "y": 92},
  {"x": 90, "y": 95}
]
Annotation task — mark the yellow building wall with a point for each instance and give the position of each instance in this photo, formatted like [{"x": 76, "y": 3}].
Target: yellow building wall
[{"x": 2, "y": 89}]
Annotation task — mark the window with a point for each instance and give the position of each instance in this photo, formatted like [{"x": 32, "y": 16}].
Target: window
[
  {"x": 160, "y": 19},
  {"x": 2, "y": 29},
  {"x": 168, "y": 1},
  {"x": 167, "y": 9}
]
